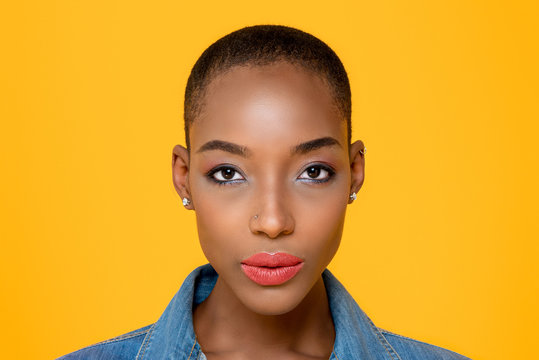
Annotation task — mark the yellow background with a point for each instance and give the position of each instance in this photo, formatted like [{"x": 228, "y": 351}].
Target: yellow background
[{"x": 441, "y": 244}]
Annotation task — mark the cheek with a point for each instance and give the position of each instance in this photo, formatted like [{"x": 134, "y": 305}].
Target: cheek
[
  {"x": 322, "y": 227},
  {"x": 220, "y": 224}
]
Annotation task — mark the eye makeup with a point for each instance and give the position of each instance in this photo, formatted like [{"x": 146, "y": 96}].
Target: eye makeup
[
  {"x": 317, "y": 169},
  {"x": 224, "y": 171},
  {"x": 229, "y": 175}
]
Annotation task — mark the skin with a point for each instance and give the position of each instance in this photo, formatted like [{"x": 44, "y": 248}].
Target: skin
[{"x": 267, "y": 111}]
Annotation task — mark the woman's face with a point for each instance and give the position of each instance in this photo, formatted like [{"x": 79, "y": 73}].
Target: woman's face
[{"x": 270, "y": 142}]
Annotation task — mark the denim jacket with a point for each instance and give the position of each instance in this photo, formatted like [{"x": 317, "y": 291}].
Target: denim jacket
[{"x": 173, "y": 336}]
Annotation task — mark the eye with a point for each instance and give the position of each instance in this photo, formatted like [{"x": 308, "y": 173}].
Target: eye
[
  {"x": 225, "y": 175},
  {"x": 317, "y": 173}
]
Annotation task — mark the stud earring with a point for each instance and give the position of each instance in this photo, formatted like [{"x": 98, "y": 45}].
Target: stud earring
[
  {"x": 186, "y": 201},
  {"x": 353, "y": 196}
]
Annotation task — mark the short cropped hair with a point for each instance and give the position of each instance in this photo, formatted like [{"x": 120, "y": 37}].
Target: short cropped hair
[{"x": 264, "y": 45}]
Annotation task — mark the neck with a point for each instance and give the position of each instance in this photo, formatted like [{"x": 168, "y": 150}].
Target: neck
[{"x": 224, "y": 325}]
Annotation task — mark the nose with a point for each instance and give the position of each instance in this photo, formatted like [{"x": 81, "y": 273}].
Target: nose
[{"x": 274, "y": 216}]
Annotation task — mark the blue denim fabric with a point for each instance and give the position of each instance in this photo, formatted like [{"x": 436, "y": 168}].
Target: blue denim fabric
[{"x": 173, "y": 336}]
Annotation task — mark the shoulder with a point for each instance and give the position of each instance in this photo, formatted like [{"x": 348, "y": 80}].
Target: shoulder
[
  {"x": 123, "y": 347},
  {"x": 410, "y": 349}
]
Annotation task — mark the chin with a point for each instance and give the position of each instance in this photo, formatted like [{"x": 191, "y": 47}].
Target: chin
[{"x": 272, "y": 301}]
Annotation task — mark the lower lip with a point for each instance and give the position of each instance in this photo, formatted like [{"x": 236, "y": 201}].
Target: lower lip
[{"x": 271, "y": 276}]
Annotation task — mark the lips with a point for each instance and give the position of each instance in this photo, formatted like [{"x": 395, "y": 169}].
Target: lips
[{"x": 271, "y": 268}]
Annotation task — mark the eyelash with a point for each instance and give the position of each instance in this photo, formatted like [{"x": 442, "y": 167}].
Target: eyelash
[
  {"x": 220, "y": 182},
  {"x": 326, "y": 168},
  {"x": 213, "y": 171}
]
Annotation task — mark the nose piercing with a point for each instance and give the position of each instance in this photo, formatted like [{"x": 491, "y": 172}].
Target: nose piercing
[
  {"x": 186, "y": 201},
  {"x": 255, "y": 217},
  {"x": 353, "y": 196}
]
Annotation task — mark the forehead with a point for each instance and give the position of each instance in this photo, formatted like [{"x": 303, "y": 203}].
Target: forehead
[{"x": 271, "y": 104}]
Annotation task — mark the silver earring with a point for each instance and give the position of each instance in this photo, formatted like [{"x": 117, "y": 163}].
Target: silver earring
[
  {"x": 186, "y": 201},
  {"x": 363, "y": 151},
  {"x": 353, "y": 196}
]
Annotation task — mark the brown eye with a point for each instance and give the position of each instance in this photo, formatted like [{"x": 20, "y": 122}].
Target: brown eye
[
  {"x": 317, "y": 173},
  {"x": 225, "y": 175},
  {"x": 228, "y": 173},
  {"x": 313, "y": 172}
]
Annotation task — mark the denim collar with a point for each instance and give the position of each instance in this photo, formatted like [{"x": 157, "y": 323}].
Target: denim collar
[{"x": 173, "y": 336}]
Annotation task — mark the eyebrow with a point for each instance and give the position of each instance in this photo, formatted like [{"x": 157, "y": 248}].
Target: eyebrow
[
  {"x": 315, "y": 144},
  {"x": 225, "y": 146},
  {"x": 243, "y": 151}
]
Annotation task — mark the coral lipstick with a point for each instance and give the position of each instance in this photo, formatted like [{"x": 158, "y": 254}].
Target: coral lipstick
[{"x": 271, "y": 268}]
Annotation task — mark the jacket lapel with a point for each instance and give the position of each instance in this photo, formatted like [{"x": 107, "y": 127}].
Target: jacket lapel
[
  {"x": 173, "y": 335},
  {"x": 356, "y": 337}
]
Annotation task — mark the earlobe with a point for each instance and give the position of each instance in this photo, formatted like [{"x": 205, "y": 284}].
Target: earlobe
[
  {"x": 357, "y": 167},
  {"x": 180, "y": 175}
]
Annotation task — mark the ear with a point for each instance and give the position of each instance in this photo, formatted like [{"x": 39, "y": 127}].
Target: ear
[
  {"x": 357, "y": 166},
  {"x": 180, "y": 173}
]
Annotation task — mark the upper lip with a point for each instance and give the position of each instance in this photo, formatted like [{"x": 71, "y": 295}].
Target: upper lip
[{"x": 272, "y": 259}]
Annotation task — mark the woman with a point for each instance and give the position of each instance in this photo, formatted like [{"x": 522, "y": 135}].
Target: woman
[{"x": 269, "y": 169}]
